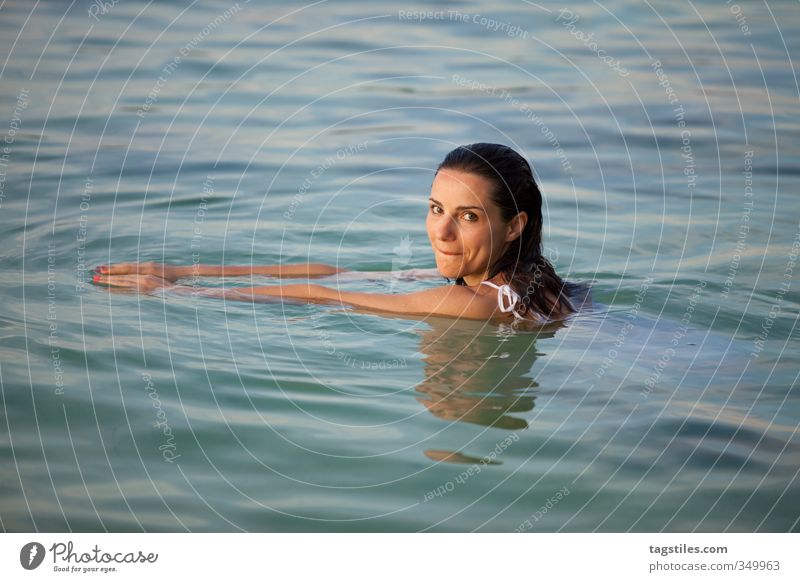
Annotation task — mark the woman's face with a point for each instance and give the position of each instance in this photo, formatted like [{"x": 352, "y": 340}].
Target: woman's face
[{"x": 464, "y": 226}]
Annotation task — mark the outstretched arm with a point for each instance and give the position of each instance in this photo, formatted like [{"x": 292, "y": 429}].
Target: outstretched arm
[
  {"x": 448, "y": 301},
  {"x": 175, "y": 272}
]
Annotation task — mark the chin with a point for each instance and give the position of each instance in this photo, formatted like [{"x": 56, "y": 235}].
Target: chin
[{"x": 449, "y": 271}]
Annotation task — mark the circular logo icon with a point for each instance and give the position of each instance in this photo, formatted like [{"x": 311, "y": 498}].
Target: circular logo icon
[{"x": 31, "y": 555}]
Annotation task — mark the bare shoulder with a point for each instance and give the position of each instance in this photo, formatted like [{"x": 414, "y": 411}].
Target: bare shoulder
[
  {"x": 404, "y": 275},
  {"x": 459, "y": 301},
  {"x": 447, "y": 300}
]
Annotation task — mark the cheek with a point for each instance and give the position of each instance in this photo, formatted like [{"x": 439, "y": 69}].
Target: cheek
[
  {"x": 480, "y": 239},
  {"x": 495, "y": 238}
]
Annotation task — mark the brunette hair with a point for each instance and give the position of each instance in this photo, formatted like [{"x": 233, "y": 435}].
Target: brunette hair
[{"x": 514, "y": 190}]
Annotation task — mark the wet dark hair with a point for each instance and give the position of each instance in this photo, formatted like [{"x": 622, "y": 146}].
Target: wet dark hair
[{"x": 514, "y": 190}]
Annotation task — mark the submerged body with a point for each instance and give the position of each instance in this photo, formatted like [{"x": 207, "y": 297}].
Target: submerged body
[
  {"x": 450, "y": 300},
  {"x": 487, "y": 301},
  {"x": 484, "y": 224}
]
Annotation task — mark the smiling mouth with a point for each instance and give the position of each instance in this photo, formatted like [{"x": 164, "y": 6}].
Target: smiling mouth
[{"x": 449, "y": 254}]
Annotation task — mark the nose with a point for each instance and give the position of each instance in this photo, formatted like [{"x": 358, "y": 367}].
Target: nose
[{"x": 445, "y": 227}]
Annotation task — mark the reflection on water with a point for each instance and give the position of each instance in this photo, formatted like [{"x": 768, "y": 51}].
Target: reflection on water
[
  {"x": 481, "y": 373},
  {"x": 474, "y": 377}
]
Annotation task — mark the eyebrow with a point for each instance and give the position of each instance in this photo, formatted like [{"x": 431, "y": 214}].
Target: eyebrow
[{"x": 458, "y": 207}]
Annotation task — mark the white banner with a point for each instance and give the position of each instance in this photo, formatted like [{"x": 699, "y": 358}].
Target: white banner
[{"x": 353, "y": 557}]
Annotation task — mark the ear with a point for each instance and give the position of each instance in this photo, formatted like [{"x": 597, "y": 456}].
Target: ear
[{"x": 516, "y": 226}]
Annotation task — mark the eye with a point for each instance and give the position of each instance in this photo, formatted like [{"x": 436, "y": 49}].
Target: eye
[
  {"x": 471, "y": 216},
  {"x": 434, "y": 208}
]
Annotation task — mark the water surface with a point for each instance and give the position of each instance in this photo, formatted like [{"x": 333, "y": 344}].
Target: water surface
[{"x": 285, "y": 132}]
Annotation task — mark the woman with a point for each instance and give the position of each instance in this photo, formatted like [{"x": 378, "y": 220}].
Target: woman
[{"x": 485, "y": 227}]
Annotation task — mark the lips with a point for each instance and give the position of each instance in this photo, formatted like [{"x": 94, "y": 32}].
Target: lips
[{"x": 448, "y": 254}]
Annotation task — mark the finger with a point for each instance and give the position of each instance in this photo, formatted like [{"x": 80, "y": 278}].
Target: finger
[
  {"x": 120, "y": 281},
  {"x": 118, "y": 269},
  {"x": 120, "y": 290},
  {"x": 103, "y": 269},
  {"x": 122, "y": 269}
]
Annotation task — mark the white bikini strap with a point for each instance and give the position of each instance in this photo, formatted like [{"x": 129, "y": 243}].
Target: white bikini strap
[{"x": 505, "y": 291}]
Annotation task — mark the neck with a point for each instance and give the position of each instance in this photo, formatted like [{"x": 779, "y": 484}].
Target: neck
[{"x": 475, "y": 279}]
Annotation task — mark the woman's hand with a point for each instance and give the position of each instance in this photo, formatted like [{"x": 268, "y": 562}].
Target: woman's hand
[
  {"x": 135, "y": 283},
  {"x": 168, "y": 272}
]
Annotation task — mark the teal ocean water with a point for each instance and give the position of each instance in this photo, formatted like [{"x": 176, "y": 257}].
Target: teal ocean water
[{"x": 664, "y": 137}]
